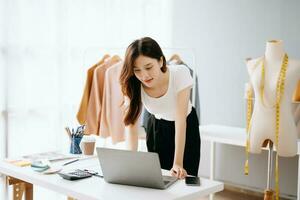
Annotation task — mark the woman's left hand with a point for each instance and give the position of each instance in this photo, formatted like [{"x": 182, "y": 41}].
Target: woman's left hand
[{"x": 178, "y": 171}]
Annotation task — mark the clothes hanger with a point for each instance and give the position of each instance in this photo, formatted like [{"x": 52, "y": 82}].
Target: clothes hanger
[
  {"x": 113, "y": 59},
  {"x": 104, "y": 58},
  {"x": 248, "y": 59},
  {"x": 176, "y": 58}
]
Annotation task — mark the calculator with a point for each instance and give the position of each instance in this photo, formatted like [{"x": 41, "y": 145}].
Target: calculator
[{"x": 75, "y": 175}]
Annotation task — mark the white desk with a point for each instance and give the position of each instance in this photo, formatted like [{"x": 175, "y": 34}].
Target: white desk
[
  {"x": 96, "y": 188},
  {"x": 232, "y": 136}
]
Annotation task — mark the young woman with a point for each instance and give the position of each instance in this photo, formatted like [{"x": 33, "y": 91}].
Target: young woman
[{"x": 172, "y": 129}]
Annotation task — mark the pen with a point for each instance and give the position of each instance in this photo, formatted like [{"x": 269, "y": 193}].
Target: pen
[
  {"x": 67, "y": 163},
  {"x": 68, "y": 132},
  {"x": 94, "y": 173}
]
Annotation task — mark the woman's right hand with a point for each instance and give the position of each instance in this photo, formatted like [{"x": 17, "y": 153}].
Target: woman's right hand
[{"x": 178, "y": 171}]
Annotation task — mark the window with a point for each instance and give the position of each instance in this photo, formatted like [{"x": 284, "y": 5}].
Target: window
[{"x": 44, "y": 47}]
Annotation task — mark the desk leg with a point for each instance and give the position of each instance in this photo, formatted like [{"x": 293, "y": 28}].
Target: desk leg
[
  {"x": 19, "y": 188},
  {"x": 298, "y": 182},
  {"x": 18, "y": 191},
  {"x": 212, "y": 165},
  {"x": 28, "y": 191}
]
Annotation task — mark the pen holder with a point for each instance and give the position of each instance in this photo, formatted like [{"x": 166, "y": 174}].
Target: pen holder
[{"x": 75, "y": 145}]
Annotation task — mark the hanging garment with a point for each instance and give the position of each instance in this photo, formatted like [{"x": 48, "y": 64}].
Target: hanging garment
[
  {"x": 176, "y": 60},
  {"x": 296, "y": 95},
  {"x": 113, "y": 111},
  {"x": 81, "y": 114},
  {"x": 94, "y": 110},
  {"x": 197, "y": 98}
]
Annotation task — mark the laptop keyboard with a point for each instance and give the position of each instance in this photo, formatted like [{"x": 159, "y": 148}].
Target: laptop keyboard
[
  {"x": 166, "y": 182},
  {"x": 167, "y": 179}
]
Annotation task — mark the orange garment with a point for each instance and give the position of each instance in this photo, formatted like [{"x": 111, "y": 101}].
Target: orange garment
[
  {"x": 112, "y": 114},
  {"x": 296, "y": 96},
  {"x": 94, "y": 109},
  {"x": 81, "y": 114}
]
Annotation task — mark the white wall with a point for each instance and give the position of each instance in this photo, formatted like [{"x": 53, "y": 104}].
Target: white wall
[
  {"x": 223, "y": 34},
  {"x": 2, "y": 96}
]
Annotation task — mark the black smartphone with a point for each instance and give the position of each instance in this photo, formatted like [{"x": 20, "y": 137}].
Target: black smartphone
[{"x": 192, "y": 180}]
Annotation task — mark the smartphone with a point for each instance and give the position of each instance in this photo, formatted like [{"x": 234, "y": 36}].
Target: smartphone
[{"x": 192, "y": 180}]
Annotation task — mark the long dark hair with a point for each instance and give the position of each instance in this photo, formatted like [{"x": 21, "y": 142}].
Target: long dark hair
[{"x": 131, "y": 86}]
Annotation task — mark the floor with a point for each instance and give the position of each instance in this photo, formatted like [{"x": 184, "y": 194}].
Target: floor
[{"x": 234, "y": 195}]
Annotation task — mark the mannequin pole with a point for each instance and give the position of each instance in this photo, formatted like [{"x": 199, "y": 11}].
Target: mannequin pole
[
  {"x": 268, "y": 191},
  {"x": 270, "y": 165}
]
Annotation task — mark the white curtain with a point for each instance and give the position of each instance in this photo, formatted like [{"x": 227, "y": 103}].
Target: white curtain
[{"x": 43, "y": 57}]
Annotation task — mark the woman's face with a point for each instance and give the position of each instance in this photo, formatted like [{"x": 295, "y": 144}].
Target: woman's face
[{"x": 147, "y": 70}]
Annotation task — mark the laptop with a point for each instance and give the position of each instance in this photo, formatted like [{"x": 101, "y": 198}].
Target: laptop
[{"x": 133, "y": 168}]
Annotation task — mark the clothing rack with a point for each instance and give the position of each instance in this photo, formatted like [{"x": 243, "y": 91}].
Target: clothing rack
[{"x": 92, "y": 55}]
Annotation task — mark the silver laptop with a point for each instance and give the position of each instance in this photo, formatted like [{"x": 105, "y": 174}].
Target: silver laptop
[{"x": 133, "y": 168}]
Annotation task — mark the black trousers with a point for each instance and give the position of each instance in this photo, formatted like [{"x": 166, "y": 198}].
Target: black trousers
[{"x": 161, "y": 139}]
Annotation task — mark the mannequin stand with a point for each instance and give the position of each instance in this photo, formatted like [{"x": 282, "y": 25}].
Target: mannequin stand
[
  {"x": 269, "y": 192},
  {"x": 268, "y": 195}
]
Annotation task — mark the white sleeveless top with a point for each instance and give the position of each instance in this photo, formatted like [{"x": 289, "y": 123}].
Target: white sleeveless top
[{"x": 164, "y": 107}]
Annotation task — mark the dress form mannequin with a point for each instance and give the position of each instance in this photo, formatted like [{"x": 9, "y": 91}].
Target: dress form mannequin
[{"x": 263, "y": 123}]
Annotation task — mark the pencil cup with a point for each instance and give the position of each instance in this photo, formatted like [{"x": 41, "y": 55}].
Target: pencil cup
[{"x": 75, "y": 145}]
